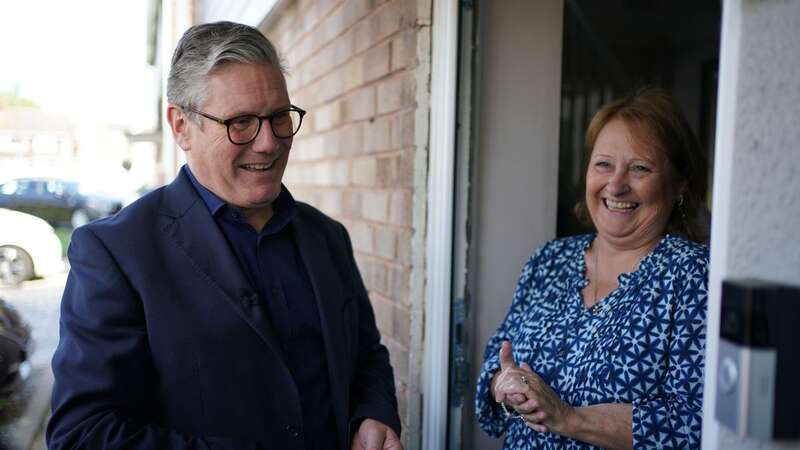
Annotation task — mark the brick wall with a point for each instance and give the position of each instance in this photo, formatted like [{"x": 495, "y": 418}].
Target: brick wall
[{"x": 354, "y": 66}]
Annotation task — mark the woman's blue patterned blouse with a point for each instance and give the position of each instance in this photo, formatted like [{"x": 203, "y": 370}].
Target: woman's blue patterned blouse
[{"x": 644, "y": 345}]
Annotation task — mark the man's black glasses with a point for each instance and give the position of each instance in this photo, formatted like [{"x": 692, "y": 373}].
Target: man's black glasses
[{"x": 244, "y": 129}]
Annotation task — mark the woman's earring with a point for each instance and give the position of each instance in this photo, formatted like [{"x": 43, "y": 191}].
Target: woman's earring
[{"x": 680, "y": 200}]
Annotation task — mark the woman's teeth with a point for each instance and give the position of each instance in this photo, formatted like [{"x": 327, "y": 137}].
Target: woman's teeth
[
  {"x": 257, "y": 166},
  {"x": 620, "y": 206}
]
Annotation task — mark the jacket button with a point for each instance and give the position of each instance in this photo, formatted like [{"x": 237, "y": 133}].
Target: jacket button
[
  {"x": 293, "y": 430},
  {"x": 248, "y": 299}
]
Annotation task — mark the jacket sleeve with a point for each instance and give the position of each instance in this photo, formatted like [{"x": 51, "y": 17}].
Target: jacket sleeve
[
  {"x": 104, "y": 376},
  {"x": 672, "y": 416},
  {"x": 372, "y": 393}
]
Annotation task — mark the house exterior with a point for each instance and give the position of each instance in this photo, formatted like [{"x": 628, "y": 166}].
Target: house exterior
[{"x": 433, "y": 135}]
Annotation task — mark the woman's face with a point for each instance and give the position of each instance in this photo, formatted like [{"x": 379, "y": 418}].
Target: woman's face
[{"x": 630, "y": 188}]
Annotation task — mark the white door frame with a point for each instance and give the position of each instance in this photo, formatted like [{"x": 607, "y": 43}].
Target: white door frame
[{"x": 439, "y": 234}]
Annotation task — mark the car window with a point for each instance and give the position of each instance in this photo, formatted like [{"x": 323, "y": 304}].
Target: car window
[
  {"x": 32, "y": 188},
  {"x": 8, "y": 188},
  {"x": 55, "y": 187}
]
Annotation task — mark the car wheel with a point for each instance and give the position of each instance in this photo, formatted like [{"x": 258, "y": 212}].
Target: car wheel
[
  {"x": 79, "y": 218},
  {"x": 16, "y": 265}
]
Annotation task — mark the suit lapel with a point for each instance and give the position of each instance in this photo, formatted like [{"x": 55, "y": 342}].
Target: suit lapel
[
  {"x": 329, "y": 294},
  {"x": 187, "y": 221}
]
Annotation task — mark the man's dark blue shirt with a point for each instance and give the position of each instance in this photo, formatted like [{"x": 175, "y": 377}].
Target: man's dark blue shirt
[{"x": 271, "y": 261}]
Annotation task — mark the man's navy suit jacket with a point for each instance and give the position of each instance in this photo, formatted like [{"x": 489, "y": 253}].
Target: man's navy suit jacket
[{"x": 164, "y": 344}]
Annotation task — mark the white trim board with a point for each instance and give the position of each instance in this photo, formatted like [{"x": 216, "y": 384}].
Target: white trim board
[{"x": 439, "y": 250}]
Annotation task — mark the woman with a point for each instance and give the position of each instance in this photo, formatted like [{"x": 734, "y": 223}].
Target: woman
[{"x": 606, "y": 332}]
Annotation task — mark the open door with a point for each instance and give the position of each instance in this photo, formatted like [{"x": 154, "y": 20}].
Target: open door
[{"x": 531, "y": 75}]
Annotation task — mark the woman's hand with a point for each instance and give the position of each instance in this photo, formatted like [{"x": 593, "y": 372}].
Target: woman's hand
[
  {"x": 508, "y": 385},
  {"x": 525, "y": 391},
  {"x": 543, "y": 409}
]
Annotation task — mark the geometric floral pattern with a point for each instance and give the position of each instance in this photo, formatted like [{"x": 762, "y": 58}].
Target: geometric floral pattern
[{"x": 643, "y": 346}]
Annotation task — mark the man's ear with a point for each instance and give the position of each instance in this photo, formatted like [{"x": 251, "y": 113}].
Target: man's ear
[{"x": 179, "y": 123}]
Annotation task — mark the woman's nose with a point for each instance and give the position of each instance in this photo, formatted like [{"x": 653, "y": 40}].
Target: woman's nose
[{"x": 618, "y": 183}]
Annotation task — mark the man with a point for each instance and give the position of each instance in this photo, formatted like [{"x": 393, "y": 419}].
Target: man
[{"x": 216, "y": 312}]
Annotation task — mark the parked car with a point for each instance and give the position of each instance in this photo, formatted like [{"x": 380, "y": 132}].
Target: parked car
[
  {"x": 15, "y": 347},
  {"x": 59, "y": 202},
  {"x": 29, "y": 248}
]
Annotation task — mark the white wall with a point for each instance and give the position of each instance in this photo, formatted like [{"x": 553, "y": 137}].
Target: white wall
[
  {"x": 516, "y": 160},
  {"x": 756, "y": 208},
  {"x": 250, "y": 12}
]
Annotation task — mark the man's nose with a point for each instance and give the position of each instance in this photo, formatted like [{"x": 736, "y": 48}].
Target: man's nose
[{"x": 266, "y": 141}]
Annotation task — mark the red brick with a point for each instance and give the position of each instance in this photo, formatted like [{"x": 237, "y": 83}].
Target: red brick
[
  {"x": 398, "y": 357},
  {"x": 351, "y": 203},
  {"x": 351, "y": 139},
  {"x": 377, "y": 135},
  {"x": 360, "y": 105},
  {"x": 398, "y": 282},
  {"x": 326, "y": 116},
  {"x": 404, "y": 49},
  {"x": 402, "y": 324},
  {"x": 362, "y": 236},
  {"x": 340, "y": 172},
  {"x": 331, "y": 202},
  {"x": 404, "y": 246},
  {"x": 403, "y": 130},
  {"x": 364, "y": 171},
  {"x": 401, "y": 208},
  {"x": 405, "y": 169},
  {"x": 384, "y": 313},
  {"x": 376, "y": 62},
  {"x": 390, "y": 95},
  {"x": 375, "y": 205},
  {"x": 385, "y": 244},
  {"x": 388, "y": 20},
  {"x": 375, "y": 279}
]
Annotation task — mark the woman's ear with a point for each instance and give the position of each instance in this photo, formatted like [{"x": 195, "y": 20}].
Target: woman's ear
[{"x": 179, "y": 124}]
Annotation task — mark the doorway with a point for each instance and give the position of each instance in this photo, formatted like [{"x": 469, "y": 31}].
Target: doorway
[{"x": 531, "y": 75}]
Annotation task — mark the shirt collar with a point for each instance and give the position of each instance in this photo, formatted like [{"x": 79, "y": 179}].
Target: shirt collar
[
  {"x": 284, "y": 206},
  {"x": 211, "y": 200}
]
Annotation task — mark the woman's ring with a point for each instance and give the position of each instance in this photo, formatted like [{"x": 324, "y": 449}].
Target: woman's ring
[{"x": 524, "y": 380}]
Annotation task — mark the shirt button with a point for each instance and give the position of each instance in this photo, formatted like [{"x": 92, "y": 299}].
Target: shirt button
[
  {"x": 563, "y": 351},
  {"x": 293, "y": 430}
]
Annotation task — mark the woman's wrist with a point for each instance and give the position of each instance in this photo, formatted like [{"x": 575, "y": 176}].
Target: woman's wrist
[
  {"x": 572, "y": 422},
  {"x": 491, "y": 386}
]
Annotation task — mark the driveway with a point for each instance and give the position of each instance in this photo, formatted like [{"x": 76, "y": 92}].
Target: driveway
[{"x": 24, "y": 416}]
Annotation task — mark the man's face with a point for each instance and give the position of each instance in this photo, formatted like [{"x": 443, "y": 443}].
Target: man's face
[{"x": 247, "y": 176}]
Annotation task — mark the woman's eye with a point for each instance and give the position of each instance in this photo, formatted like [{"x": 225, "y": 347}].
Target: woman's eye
[
  {"x": 602, "y": 164},
  {"x": 641, "y": 168}
]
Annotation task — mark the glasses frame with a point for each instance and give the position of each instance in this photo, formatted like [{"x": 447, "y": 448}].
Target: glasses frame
[{"x": 261, "y": 119}]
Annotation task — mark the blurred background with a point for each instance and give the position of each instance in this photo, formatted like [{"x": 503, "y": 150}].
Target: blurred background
[{"x": 79, "y": 139}]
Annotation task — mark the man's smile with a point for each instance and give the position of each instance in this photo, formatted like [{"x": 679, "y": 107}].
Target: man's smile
[{"x": 257, "y": 167}]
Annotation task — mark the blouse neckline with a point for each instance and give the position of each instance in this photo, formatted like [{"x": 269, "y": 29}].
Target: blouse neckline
[{"x": 625, "y": 279}]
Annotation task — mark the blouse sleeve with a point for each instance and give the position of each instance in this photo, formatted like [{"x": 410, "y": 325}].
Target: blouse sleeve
[
  {"x": 489, "y": 414},
  {"x": 671, "y": 417}
]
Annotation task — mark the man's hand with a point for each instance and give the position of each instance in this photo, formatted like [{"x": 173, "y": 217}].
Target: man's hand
[{"x": 373, "y": 435}]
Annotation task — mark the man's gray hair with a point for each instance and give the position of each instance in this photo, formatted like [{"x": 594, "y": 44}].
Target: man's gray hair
[{"x": 206, "y": 47}]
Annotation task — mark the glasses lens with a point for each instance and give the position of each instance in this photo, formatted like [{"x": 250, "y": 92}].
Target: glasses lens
[
  {"x": 286, "y": 124},
  {"x": 243, "y": 129}
]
